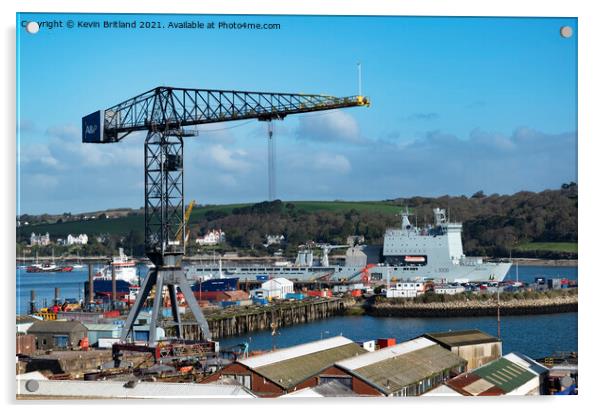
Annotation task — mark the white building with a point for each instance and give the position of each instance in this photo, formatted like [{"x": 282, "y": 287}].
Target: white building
[
  {"x": 81, "y": 239},
  {"x": 273, "y": 239},
  {"x": 39, "y": 239},
  {"x": 276, "y": 288},
  {"x": 406, "y": 289},
  {"x": 449, "y": 289},
  {"x": 213, "y": 237}
]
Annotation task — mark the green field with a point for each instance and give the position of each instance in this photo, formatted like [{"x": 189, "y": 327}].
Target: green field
[
  {"x": 549, "y": 246},
  {"x": 136, "y": 222}
]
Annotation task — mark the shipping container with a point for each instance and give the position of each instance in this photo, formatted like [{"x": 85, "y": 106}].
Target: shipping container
[
  {"x": 111, "y": 314},
  {"x": 385, "y": 342},
  {"x": 319, "y": 293},
  {"x": 26, "y": 344},
  {"x": 260, "y": 301},
  {"x": 294, "y": 296},
  {"x": 141, "y": 335},
  {"x": 107, "y": 342}
]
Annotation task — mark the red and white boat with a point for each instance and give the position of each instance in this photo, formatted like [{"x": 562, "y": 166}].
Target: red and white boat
[
  {"x": 48, "y": 266},
  {"x": 124, "y": 267}
]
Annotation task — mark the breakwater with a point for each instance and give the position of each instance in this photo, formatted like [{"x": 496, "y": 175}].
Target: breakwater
[
  {"x": 473, "y": 308},
  {"x": 235, "y": 321}
]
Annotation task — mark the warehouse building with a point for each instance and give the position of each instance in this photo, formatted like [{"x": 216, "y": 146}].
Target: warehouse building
[
  {"x": 511, "y": 375},
  {"x": 274, "y": 288},
  {"x": 285, "y": 371},
  {"x": 474, "y": 346},
  {"x": 407, "y": 369},
  {"x": 55, "y": 335},
  {"x": 98, "y": 332}
]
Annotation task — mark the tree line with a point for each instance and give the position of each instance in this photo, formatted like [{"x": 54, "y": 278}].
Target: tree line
[{"x": 493, "y": 225}]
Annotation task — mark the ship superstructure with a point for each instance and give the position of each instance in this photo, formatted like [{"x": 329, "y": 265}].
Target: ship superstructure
[
  {"x": 124, "y": 267},
  {"x": 436, "y": 252}
]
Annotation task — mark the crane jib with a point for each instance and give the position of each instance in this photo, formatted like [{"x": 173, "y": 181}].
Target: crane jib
[{"x": 164, "y": 109}]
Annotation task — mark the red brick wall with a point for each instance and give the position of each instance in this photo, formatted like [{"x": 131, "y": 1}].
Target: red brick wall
[{"x": 260, "y": 386}]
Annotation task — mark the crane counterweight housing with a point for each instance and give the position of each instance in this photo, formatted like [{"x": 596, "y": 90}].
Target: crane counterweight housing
[
  {"x": 163, "y": 113},
  {"x": 93, "y": 128}
]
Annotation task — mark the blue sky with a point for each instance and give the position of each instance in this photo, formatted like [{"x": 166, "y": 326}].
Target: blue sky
[{"x": 458, "y": 105}]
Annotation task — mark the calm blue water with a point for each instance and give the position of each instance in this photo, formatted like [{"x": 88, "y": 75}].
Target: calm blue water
[
  {"x": 536, "y": 336},
  {"x": 71, "y": 285}
]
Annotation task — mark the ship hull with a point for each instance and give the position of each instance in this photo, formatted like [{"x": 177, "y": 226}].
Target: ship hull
[{"x": 453, "y": 273}]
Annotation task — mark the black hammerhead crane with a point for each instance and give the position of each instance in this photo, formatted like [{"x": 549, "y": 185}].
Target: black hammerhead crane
[{"x": 164, "y": 113}]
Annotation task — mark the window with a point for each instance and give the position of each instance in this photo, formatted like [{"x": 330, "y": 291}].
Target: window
[
  {"x": 243, "y": 379},
  {"x": 344, "y": 380},
  {"x": 61, "y": 341}
]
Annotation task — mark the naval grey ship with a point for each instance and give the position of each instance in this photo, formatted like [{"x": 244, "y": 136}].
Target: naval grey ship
[{"x": 409, "y": 253}]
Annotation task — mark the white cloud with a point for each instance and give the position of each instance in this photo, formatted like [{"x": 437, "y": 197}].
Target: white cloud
[
  {"x": 332, "y": 163},
  {"x": 40, "y": 181},
  {"x": 227, "y": 180},
  {"x": 229, "y": 160},
  {"x": 335, "y": 126},
  {"x": 69, "y": 131}
]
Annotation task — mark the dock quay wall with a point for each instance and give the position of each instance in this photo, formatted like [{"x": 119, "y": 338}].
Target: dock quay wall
[
  {"x": 564, "y": 304},
  {"x": 242, "y": 320}
]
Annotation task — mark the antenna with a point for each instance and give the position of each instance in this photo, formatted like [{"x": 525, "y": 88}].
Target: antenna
[{"x": 359, "y": 78}]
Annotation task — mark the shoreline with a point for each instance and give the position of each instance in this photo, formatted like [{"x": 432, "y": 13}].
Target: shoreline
[
  {"x": 542, "y": 262},
  {"x": 565, "y": 304}
]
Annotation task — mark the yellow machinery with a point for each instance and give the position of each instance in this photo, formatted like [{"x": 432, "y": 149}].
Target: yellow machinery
[{"x": 187, "y": 214}]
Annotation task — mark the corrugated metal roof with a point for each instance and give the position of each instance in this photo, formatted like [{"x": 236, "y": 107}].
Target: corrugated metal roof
[
  {"x": 116, "y": 389},
  {"x": 504, "y": 374},
  {"x": 442, "y": 391},
  {"x": 55, "y": 327},
  {"x": 461, "y": 338},
  {"x": 277, "y": 283},
  {"x": 290, "y": 372},
  {"x": 26, "y": 319},
  {"x": 398, "y": 371},
  {"x": 478, "y": 386},
  {"x": 102, "y": 327},
  {"x": 385, "y": 353},
  {"x": 498, "y": 377},
  {"x": 330, "y": 389},
  {"x": 295, "y": 351},
  {"x": 527, "y": 362}
]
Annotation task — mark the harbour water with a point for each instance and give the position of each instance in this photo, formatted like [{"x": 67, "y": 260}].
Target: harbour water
[
  {"x": 534, "y": 335},
  {"x": 71, "y": 285}
]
